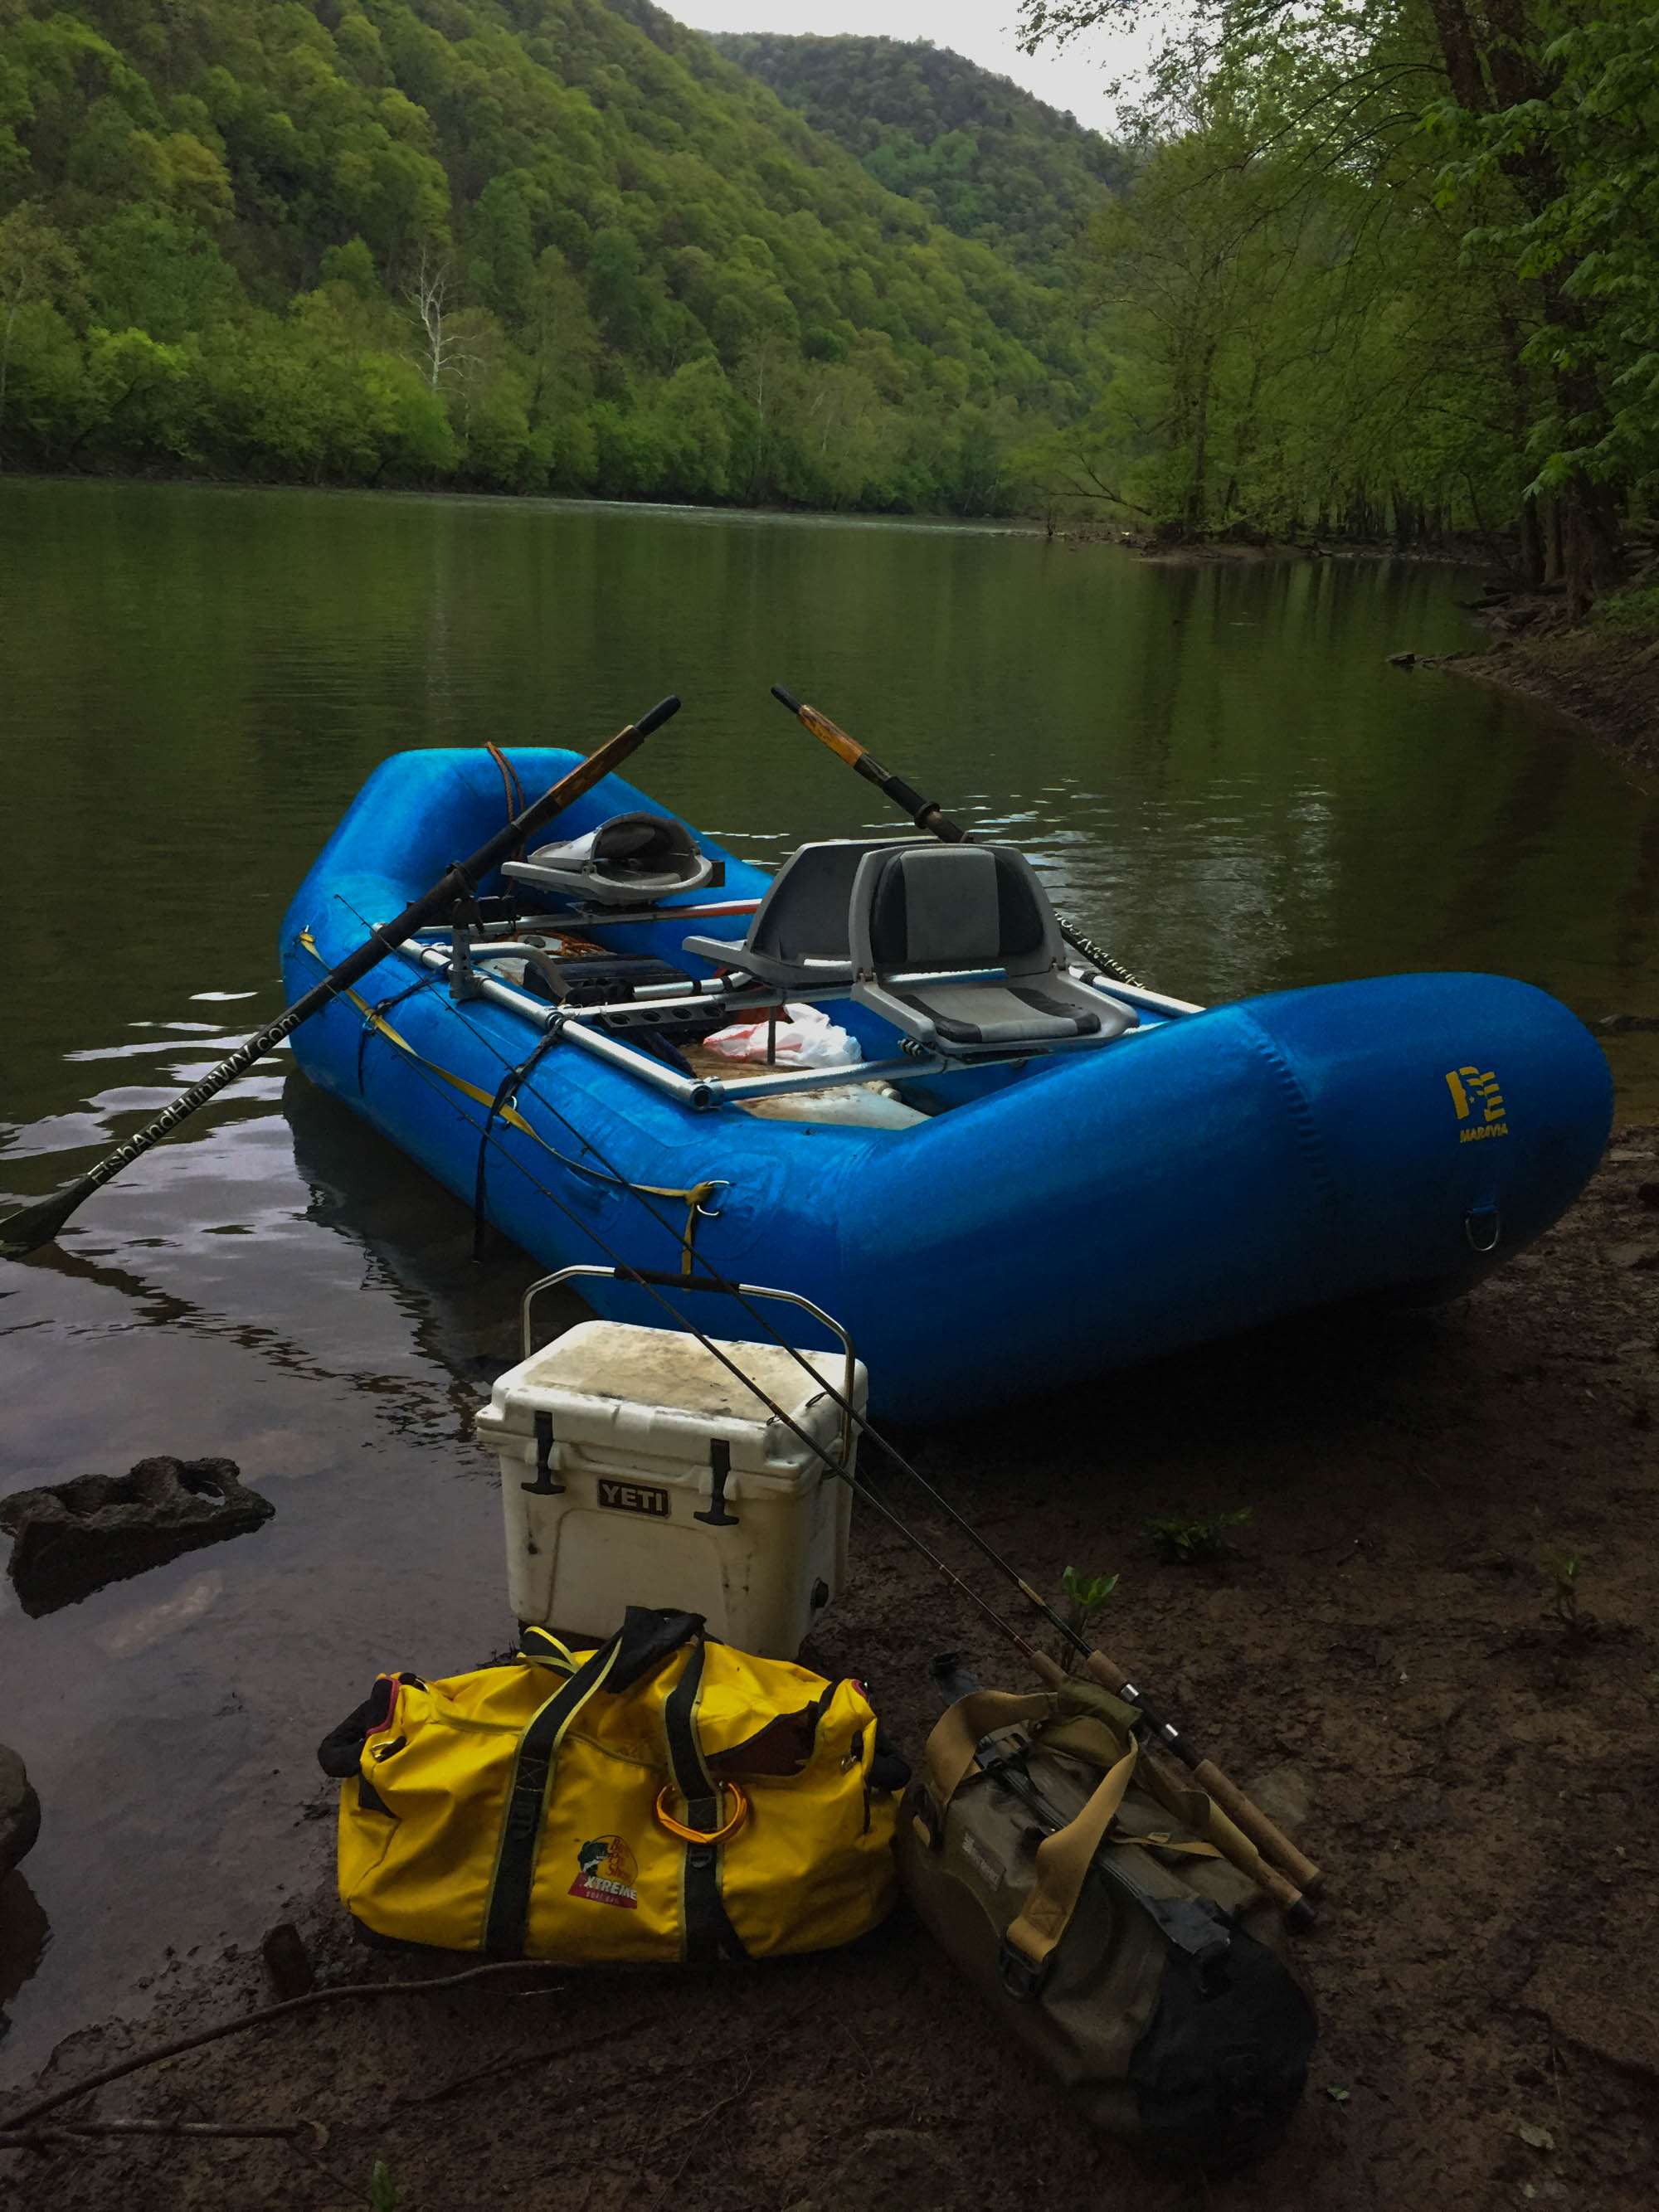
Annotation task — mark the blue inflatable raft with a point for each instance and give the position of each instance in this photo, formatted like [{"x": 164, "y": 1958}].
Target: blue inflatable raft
[{"x": 1049, "y": 1176}]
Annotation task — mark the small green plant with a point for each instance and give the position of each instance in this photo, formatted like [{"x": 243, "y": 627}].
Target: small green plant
[
  {"x": 1563, "y": 1573},
  {"x": 1086, "y": 1598},
  {"x": 1185, "y": 1542},
  {"x": 383, "y": 2191}
]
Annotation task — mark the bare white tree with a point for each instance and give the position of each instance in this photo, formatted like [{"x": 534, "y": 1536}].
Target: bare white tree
[{"x": 441, "y": 348}]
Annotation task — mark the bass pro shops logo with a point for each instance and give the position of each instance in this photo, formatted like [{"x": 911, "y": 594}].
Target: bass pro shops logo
[
  {"x": 1470, "y": 1089},
  {"x": 606, "y": 1874}
]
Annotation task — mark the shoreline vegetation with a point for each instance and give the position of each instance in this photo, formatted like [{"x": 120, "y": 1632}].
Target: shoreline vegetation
[{"x": 1391, "y": 285}]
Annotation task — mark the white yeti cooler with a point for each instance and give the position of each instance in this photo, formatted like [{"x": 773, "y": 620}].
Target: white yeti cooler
[{"x": 636, "y": 1470}]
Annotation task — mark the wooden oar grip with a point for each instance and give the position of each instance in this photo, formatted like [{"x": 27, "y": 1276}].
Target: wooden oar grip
[{"x": 1269, "y": 1839}]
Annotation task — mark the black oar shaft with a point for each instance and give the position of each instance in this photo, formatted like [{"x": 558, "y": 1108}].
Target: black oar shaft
[
  {"x": 926, "y": 814},
  {"x": 34, "y": 1226}
]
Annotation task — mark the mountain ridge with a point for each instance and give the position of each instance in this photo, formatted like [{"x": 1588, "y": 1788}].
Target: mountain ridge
[{"x": 982, "y": 155}]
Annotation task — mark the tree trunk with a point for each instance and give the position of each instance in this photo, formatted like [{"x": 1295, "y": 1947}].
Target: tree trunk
[
  {"x": 1531, "y": 552},
  {"x": 1197, "y": 499},
  {"x": 1591, "y": 560}
]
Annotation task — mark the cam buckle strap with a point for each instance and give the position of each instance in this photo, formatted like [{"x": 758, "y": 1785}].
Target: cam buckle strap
[
  {"x": 508, "y": 1913},
  {"x": 1063, "y": 1861},
  {"x": 953, "y": 1746},
  {"x": 709, "y": 1936}
]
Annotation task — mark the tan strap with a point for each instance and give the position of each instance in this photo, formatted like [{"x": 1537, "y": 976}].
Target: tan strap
[
  {"x": 953, "y": 1746},
  {"x": 1063, "y": 1861}
]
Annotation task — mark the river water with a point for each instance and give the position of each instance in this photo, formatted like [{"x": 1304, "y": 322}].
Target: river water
[{"x": 1222, "y": 778}]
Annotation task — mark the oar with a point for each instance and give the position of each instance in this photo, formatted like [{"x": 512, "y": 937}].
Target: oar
[
  {"x": 926, "y": 814},
  {"x": 34, "y": 1226}
]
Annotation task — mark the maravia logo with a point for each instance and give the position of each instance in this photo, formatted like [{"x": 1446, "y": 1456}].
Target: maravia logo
[
  {"x": 1470, "y": 1088},
  {"x": 606, "y": 1873}
]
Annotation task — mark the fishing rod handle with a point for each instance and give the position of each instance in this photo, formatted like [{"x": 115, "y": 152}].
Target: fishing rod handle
[{"x": 1274, "y": 1845}]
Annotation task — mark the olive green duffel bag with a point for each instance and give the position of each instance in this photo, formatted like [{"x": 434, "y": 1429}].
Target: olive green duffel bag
[{"x": 1075, "y": 1885}]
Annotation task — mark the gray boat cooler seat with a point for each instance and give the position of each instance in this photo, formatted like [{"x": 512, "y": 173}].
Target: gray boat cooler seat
[
  {"x": 958, "y": 947},
  {"x": 632, "y": 859},
  {"x": 798, "y": 938}
]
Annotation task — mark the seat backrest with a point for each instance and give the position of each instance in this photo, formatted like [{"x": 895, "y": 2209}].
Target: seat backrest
[
  {"x": 945, "y": 907},
  {"x": 803, "y": 913}
]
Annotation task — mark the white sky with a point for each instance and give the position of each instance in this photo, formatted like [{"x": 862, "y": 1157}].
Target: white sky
[{"x": 981, "y": 29}]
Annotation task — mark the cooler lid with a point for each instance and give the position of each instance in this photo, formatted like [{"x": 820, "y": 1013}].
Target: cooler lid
[{"x": 613, "y": 1381}]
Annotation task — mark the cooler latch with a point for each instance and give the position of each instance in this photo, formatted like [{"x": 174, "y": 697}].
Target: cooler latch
[
  {"x": 543, "y": 1485},
  {"x": 720, "y": 1462}
]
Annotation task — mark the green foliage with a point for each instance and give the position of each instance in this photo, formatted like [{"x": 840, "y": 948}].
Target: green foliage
[
  {"x": 383, "y": 2191},
  {"x": 981, "y": 155},
  {"x": 1187, "y": 1542},
  {"x": 1086, "y": 1598},
  {"x": 1563, "y": 1600},
  {"x": 1585, "y": 238},
  {"x": 1327, "y": 323},
  {"x": 1633, "y": 613},
  {"x": 553, "y": 247}
]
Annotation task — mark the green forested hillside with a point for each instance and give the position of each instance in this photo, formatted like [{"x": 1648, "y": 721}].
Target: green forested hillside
[
  {"x": 520, "y": 244},
  {"x": 982, "y": 156}
]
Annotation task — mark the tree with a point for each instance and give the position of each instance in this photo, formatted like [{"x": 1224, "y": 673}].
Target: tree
[
  {"x": 1552, "y": 109},
  {"x": 37, "y": 262}
]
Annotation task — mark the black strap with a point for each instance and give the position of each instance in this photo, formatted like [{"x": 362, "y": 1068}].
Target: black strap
[
  {"x": 506, "y": 1088},
  {"x": 379, "y": 1014},
  {"x": 508, "y": 1913},
  {"x": 709, "y": 1936}
]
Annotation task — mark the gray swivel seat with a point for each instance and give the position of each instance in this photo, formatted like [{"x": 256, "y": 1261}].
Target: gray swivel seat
[
  {"x": 926, "y": 923},
  {"x": 797, "y": 938}
]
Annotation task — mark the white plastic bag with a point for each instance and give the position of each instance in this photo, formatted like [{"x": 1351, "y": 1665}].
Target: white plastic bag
[{"x": 807, "y": 1039}]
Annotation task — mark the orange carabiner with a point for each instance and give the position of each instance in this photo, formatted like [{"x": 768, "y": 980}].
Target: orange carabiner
[{"x": 696, "y": 1835}]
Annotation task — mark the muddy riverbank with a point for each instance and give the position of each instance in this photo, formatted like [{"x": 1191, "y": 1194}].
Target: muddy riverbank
[{"x": 1387, "y": 1658}]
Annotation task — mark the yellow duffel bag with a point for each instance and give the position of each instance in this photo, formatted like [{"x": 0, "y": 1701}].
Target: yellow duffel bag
[{"x": 663, "y": 1798}]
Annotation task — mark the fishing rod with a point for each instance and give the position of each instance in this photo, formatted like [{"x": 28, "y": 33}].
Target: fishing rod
[
  {"x": 927, "y": 815},
  {"x": 1275, "y": 1850},
  {"x": 34, "y": 1226}
]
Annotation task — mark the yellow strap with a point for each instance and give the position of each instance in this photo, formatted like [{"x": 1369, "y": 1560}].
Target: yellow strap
[
  {"x": 1063, "y": 1861},
  {"x": 1192, "y": 1849}
]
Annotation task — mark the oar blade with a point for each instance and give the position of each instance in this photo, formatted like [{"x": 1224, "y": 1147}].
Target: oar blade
[{"x": 32, "y": 1226}]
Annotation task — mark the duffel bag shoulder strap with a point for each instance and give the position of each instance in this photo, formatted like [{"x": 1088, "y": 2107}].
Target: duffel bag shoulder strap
[
  {"x": 709, "y": 1936},
  {"x": 953, "y": 1748},
  {"x": 520, "y": 1837},
  {"x": 1063, "y": 1861}
]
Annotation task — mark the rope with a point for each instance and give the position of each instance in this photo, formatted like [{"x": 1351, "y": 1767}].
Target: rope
[{"x": 510, "y": 783}]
